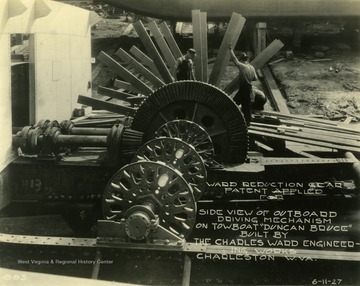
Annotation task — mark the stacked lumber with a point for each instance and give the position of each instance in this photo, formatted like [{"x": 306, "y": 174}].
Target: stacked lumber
[{"x": 307, "y": 130}]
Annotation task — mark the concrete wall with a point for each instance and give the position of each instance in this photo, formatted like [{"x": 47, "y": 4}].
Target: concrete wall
[
  {"x": 60, "y": 60},
  {"x": 62, "y": 71},
  {"x": 5, "y": 101}
]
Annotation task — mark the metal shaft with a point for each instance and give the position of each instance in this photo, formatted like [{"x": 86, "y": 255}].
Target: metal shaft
[
  {"x": 89, "y": 131},
  {"x": 81, "y": 140}
]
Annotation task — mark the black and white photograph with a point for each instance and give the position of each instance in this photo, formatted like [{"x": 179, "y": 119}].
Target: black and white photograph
[{"x": 179, "y": 142}]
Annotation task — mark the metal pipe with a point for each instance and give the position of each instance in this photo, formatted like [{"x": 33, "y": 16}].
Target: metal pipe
[
  {"x": 89, "y": 131},
  {"x": 187, "y": 271},
  {"x": 81, "y": 140},
  {"x": 96, "y": 267}
]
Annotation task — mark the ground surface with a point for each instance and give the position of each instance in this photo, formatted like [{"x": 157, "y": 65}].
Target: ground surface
[
  {"x": 327, "y": 85},
  {"x": 318, "y": 88}
]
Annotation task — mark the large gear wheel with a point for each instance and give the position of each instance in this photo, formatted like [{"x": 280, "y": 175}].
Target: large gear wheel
[
  {"x": 203, "y": 104},
  {"x": 152, "y": 183}
]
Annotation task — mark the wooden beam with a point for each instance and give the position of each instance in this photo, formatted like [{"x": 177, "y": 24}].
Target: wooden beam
[
  {"x": 267, "y": 54},
  {"x": 197, "y": 44},
  {"x": 153, "y": 52},
  {"x": 313, "y": 125},
  {"x": 100, "y": 104},
  {"x": 204, "y": 38},
  {"x": 257, "y": 63},
  {"x": 296, "y": 132},
  {"x": 144, "y": 59},
  {"x": 124, "y": 85},
  {"x": 259, "y": 37},
  {"x": 139, "y": 68},
  {"x": 275, "y": 134},
  {"x": 278, "y": 99},
  {"x": 139, "y": 85},
  {"x": 163, "y": 46},
  {"x": 128, "y": 30},
  {"x": 200, "y": 44},
  {"x": 231, "y": 36},
  {"x": 316, "y": 130},
  {"x": 348, "y": 120},
  {"x": 114, "y": 93},
  {"x": 314, "y": 122},
  {"x": 170, "y": 40},
  {"x": 136, "y": 99}
]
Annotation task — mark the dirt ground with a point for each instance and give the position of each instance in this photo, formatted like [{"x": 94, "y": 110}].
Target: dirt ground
[
  {"x": 320, "y": 80},
  {"x": 328, "y": 86},
  {"x": 111, "y": 28}
]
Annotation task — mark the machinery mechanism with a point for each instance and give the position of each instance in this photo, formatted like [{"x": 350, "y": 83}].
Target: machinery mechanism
[
  {"x": 153, "y": 196},
  {"x": 180, "y": 158},
  {"x": 163, "y": 160},
  {"x": 49, "y": 138},
  {"x": 201, "y": 103}
]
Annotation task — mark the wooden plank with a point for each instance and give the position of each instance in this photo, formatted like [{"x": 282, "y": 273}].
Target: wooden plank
[
  {"x": 95, "y": 72},
  {"x": 163, "y": 46},
  {"x": 197, "y": 44},
  {"x": 301, "y": 134},
  {"x": 299, "y": 117},
  {"x": 128, "y": 30},
  {"x": 323, "y": 127},
  {"x": 100, "y": 104},
  {"x": 304, "y": 141},
  {"x": 310, "y": 130},
  {"x": 170, "y": 40},
  {"x": 275, "y": 134},
  {"x": 267, "y": 54},
  {"x": 231, "y": 36},
  {"x": 124, "y": 85},
  {"x": 257, "y": 63},
  {"x": 137, "y": 99},
  {"x": 326, "y": 123},
  {"x": 278, "y": 99},
  {"x": 114, "y": 93},
  {"x": 259, "y": 37},
  {"x": 139, "y": 68},
  {"x": 298, "y": 149},
  {"x": 144, "y": 59},
  {"x": 153, "y": 52},
  {"x": 348, "y": 120},
  {"x": 204, "y": 39},
  {"x": 200, "y": 44},
  {"x": 139, "y": 85}
]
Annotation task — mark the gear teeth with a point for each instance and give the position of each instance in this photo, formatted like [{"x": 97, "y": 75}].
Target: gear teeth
[
  {"x": 131, "y": 142},
  {"x": 156, "y": 110}
]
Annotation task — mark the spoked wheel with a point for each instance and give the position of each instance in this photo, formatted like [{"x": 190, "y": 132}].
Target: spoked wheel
[
  {"x": 156, "y": 184},
  {"x": 191, "y": 133},
  {"x": 179, "y": 155}
]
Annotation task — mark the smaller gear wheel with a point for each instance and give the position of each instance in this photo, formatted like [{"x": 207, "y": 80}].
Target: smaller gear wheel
[
  {"x": 191, "y": 133},
  {"x": 179, "y": 155}
]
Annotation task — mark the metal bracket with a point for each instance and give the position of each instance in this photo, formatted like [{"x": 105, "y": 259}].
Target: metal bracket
[{"x": 113, "y": 233}]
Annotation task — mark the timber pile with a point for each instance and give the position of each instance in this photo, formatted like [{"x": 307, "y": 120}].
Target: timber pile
[{"x": 307, "y": 130}]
